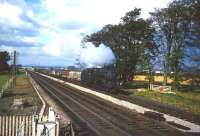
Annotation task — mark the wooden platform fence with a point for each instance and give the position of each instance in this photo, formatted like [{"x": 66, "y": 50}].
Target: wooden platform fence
[{"x": 20, "y": 125}]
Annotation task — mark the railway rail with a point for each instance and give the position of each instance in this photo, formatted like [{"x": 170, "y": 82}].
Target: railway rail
[{"x": 100, "y": 117}]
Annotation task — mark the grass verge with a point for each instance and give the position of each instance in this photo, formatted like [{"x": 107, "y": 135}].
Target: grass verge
[
  {"x": 4, "y": 77},
  {"x": 23, "y": 90},
  {"x": 187, "y": 100}
]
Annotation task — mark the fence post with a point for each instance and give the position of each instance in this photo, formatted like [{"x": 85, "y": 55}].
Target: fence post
[
  {"x": 150, "y": 86},
  {"x": 34, "y": 122},
  {"x": 57, "y": 127},
  {"x": 71, "y": 129}
]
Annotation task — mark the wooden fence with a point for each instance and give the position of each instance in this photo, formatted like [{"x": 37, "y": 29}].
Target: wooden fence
[{"x": 20, "y": 125}]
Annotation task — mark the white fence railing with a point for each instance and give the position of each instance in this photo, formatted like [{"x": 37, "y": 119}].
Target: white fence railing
[
  {"x": 15, "y": 125},
  {"x": 161, "y": 88}
]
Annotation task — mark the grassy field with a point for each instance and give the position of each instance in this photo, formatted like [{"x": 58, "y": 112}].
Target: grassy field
[
  {"x": 186, "y": 100},
  {"x": 4, "y": 76},
  {"x": 23, "y": 90}
]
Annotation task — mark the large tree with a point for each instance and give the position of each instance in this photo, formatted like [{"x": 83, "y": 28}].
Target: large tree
[
  {"x": 176, "y": 28},
  {"x": 131, "y": 41},
  {"x": 4, "y": 58}
]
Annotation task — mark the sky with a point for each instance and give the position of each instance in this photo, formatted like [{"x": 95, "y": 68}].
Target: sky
[{"x": 49, "y": 32}]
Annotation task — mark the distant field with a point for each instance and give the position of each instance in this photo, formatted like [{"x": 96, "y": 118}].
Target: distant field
[
  {"x": 159, "y": 78},
  {"x": 188, "y": 101},
  {"x": 4, "y": 76}
]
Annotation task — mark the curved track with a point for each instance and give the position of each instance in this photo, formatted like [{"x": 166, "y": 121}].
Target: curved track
[{"x": 100, "y": 117}]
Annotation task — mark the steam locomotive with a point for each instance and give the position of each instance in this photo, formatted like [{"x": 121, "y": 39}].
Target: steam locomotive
[{"x": 106, "y": 77}]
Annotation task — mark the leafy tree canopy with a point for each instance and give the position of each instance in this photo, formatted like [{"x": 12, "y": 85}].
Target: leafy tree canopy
[
  {"x": 131, "y": 41},
  {"x": 4, "y": 58}
]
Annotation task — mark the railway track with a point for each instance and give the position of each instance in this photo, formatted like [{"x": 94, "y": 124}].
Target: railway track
[
  {"x": 161, "y": 107},
  {"x": 100, "y": 117}
]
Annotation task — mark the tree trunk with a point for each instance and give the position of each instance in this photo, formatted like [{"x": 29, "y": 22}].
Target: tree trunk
[
  {"x": 165, "y": 78},
  {"x": 176, "y": 74},
  {"x": 165, "y": 74}
]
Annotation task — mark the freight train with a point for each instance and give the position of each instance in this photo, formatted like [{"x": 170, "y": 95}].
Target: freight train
[
  {"x": 66, "y": 74},
  {"x": 60, "y": 73},
  {"x": 105, "y": 78}
]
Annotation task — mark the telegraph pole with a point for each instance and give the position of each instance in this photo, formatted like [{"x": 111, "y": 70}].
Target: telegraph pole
[{"x": 14, "y": 68}]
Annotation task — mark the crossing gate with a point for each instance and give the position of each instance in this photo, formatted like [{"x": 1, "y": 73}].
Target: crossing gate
[{"x": 45, "y": 127}]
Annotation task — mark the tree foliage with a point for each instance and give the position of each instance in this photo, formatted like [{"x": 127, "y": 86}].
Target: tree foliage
[
  {"x": 4, "y": 58},
  {"x": 131, "y": 41}
]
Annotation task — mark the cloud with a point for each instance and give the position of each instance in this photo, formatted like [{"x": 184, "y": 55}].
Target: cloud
[
  {"x": 98, "y": 12},
  {"x": 10, "y": 14},
  {"x": 16, "y": 29},
  {"x": 7, "y": 48},
  {"x": 18, "y": 44},
  {"x": 62, "y": 44},
  {"x": 51, "y": 30}
]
